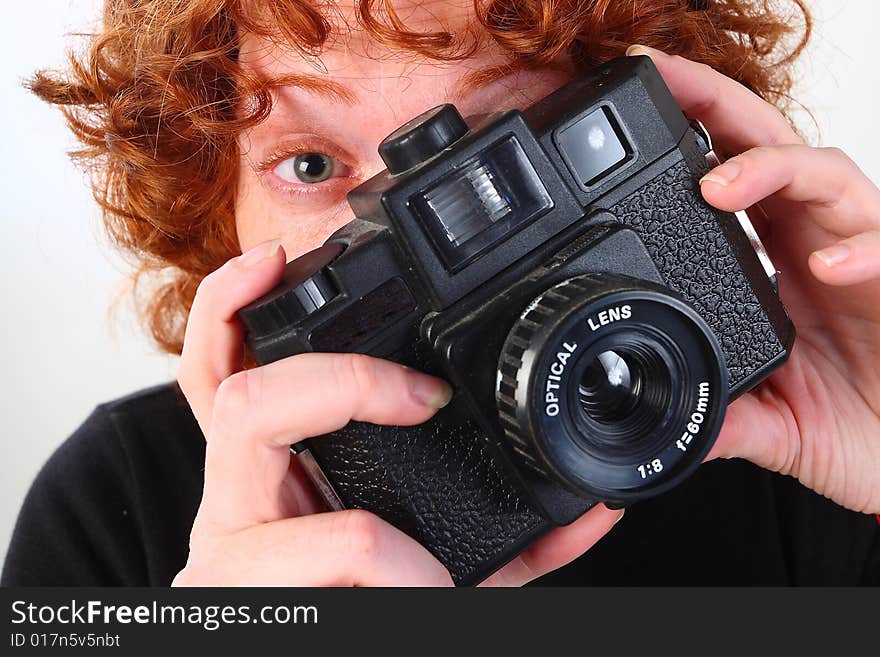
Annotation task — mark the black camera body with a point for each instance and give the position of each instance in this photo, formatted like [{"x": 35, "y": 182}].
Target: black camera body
[{"x": 559, "y": 267}]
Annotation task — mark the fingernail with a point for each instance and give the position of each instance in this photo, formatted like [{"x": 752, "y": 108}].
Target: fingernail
[
  {"x": 639, "y": 49},
  {"x": 833, "y": 255},
  {"x": 620, "y": 517},
  {"x": 430, "y": 391},
  {"x": 259, "y": 253},
  {"x": 724, "y": 174}
]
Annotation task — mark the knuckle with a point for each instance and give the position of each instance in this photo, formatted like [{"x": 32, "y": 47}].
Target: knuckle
[
  {"x": 756, "y": 157},
  {"x": 210, "y": 286},
  {"x": 184, "y": 578},
  {"x": 233, "y": 396},
  {"x": 764, "y": 157},
  {"x": 185, "y": 378},
  {"x": 206, "y": 287},
  {"x": 839, "y": 157},
  {"x": 201, "y": 535},
  {"x": 359, "y": 370},
  {"x": 200, "y": 568},
  {"x": 213, "y": 556},
  {"x": 847, "y": 171},
  {"x": 362, "y": 534},
  {"x": 779, "y": 130},
  {"x": 681, "y": 59},
  {"x": 701, "y": 67},
  {"x": 760, "y": 152}
]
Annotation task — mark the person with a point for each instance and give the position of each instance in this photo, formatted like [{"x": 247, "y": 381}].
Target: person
[{"x": 224, "y": 137}]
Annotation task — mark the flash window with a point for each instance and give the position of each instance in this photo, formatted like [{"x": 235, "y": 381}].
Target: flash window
[{"x": 593, "y": 147}]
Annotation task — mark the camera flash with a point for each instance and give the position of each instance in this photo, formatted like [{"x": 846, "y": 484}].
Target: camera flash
[
  {"x": 593, "y": 147},
  {"x": 596, "y": 138}
]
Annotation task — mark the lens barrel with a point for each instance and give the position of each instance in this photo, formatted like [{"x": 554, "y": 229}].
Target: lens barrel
[
  {"x": 626, "y": 390},
  {"x": 613, "y": 386}
]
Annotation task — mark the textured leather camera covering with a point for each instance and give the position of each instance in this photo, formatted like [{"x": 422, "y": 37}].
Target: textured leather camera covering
[
  {"x": 681, "y": 232},
  {"x": 441, "y": 485},
  {"x": 437, "y": 484}
]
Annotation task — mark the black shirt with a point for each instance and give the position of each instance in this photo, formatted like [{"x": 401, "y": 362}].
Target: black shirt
[{"x": 114, "y": 506}]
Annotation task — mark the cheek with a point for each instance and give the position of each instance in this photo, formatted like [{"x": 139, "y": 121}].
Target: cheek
[
  {"x": 260, "y": 217},
  {"x": 250, "y": 212}
]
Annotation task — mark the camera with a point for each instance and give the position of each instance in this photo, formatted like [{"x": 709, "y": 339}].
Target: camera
[{"x": 559, "y": 267}]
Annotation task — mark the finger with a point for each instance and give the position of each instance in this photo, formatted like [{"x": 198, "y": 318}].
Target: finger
[
  {"x": 762, "y": 427},
  {"x": 736, "y": 118},
  {"x": 823, "y": 178},
  {"x": 850, "y": 262},
  {"x": 559, "y": 547},
  {"x": 344, "y": 548},
  {"x": 212, "y": 346},
  {"x": 259, "y": 413},
  {"x": 757, "y": 427}
]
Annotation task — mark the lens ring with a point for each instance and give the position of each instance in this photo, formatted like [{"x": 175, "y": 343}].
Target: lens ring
[
  {"x": 602, "y": 459},
  {"x": 542, "y": 365}
]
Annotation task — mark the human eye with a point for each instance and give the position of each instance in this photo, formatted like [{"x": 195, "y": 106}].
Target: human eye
[
  {"x": 308, "y": 171},
  {"x": 310, "y": 168}
]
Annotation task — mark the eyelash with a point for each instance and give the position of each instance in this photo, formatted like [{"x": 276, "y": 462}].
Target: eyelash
[{"x": 266, "y": 171}]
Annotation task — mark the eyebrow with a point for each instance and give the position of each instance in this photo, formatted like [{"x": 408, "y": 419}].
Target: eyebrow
[
  {"x": 323, "y": 86},
  {"x": 317, "y": 84}
]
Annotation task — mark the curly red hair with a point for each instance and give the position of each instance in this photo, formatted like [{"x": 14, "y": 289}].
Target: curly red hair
[{"x": 156, "y": 99}]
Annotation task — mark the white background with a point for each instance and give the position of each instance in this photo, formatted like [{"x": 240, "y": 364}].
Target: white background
[{"x": 63, "y": 354}]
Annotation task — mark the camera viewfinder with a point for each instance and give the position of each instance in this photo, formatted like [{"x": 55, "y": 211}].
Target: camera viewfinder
[{"x": 481, "y": 203}]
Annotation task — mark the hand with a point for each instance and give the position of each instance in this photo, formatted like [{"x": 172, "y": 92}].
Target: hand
[
  {"x": 260, "y": 522},
  {"x": 818, "y": 417}
]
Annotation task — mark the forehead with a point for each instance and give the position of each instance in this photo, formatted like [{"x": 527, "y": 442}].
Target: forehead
[
  {"x": 353, "y": 61},
  {"x": 345, "y": 74}
]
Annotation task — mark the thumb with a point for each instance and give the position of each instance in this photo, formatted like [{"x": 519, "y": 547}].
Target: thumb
[{"x": 757, "y": 428}]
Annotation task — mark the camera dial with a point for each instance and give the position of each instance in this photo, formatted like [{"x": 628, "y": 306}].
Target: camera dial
[
  {"x": 305, "y": 288},
  {"x": 421, "y": 138},
  {"x": 612, "y": 386}
]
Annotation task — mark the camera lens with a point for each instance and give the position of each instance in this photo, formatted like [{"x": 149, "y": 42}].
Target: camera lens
[
  {"x": 625, "y": 394},
  {"x": 613, "y": 386}
]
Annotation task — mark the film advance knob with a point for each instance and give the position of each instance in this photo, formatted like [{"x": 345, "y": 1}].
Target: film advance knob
[
  {"x": 422, "y": 138},
  {"x": 304, "y": 289}
]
